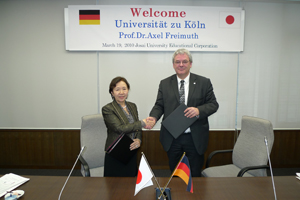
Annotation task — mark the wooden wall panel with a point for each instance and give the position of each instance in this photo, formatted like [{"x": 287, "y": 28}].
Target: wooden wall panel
[
  {"x": 58, "y": 149},
  {"x": 286, "y": 149},
  {"x": 158, "y": 158},
  {"x": 153, "y": 150},
  {"x": 38, "y": 148}
]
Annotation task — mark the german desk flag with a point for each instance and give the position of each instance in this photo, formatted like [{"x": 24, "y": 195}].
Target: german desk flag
[
  {"x": 183, "y": 171},
  {"x": 89, "y": 17}
]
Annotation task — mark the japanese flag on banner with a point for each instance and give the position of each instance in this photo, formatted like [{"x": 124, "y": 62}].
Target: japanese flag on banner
[
  {"x": 230, "y": 19},
  {"x": 144, "y": 176}
]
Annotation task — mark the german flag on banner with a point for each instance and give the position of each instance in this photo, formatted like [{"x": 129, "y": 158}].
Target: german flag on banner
[{"x": 89, "y": 17}]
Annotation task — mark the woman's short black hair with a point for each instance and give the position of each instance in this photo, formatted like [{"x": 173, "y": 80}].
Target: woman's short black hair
[{"x": 115, "y": 81}]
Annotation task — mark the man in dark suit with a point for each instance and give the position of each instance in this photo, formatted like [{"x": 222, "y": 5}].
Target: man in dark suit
[{"x": 197, "y": 93}]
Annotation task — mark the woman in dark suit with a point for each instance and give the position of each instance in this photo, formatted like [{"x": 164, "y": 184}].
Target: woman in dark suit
[{"x": 121, "y": 116}]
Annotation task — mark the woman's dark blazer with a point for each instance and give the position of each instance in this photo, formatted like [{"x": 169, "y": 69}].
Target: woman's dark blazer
[{"x": 117, "y": 122}]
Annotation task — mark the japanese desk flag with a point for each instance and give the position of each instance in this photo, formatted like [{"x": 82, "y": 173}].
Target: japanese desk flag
[{"x": 144, "y": 176}]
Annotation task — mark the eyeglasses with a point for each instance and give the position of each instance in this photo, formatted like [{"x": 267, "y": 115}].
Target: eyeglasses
[{"x": 177, "y": 62}]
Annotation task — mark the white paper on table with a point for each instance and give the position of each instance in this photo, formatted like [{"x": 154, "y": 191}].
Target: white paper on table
[{"x": 8, "y": 182}]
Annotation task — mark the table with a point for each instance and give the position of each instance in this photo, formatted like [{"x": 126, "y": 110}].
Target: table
[{"x": 49, "y": 187}]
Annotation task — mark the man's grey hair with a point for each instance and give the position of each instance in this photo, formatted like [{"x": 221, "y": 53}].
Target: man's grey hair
[{"x": 182, "y": 51}]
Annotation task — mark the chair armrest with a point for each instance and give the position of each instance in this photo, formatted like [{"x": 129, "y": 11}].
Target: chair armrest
[
  {"x": 214, "y": 153},
  {"x": 85, "y": 166},
  {"x": 245, "y": 169}
]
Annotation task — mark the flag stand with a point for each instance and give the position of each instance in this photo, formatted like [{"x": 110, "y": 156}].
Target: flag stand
[{"x": 167, "y": 194}]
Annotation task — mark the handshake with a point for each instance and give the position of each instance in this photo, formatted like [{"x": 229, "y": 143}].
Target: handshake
[{"x": 150, "y": 122}]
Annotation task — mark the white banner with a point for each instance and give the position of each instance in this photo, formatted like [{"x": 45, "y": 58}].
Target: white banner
[{"x": 154, "y": 28}]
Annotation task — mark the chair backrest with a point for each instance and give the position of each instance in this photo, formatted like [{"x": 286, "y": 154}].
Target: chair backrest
[
  {"x": 250, "y": 148},
  {"x": 93, "y": 135}
]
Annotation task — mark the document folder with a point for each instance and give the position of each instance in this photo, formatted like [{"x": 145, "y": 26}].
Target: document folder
[
  {"x": 120, "y": 149},
  {"x": 176, "y": 123}
]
